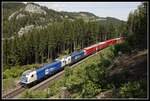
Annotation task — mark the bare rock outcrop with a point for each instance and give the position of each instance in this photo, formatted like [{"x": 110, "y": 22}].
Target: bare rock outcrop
[{"x": 34, "y": 9}]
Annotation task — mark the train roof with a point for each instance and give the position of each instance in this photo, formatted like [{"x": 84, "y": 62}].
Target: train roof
[
  {"x": 50, "y": 64},
  {"x": 94, "y": 45}
]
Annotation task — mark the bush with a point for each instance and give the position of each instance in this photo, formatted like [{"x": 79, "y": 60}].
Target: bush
[
  {"x": 54, "y": 88},
  {"x": 90, "y": 89},
  {"x": 124, "y": 48},
  {"x": 104, "y": 62},
  {"x": 68, "y": 71},
  {"x": 74, "y": 83},
  {"x": 108, "y": 53},
  {"x": 132, "y": 90},
  {"x": 13, "y": 72},
  {"x": 97, "y": 74}
]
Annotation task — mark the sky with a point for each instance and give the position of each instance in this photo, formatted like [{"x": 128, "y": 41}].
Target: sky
[{"x": 118, "y": 10}]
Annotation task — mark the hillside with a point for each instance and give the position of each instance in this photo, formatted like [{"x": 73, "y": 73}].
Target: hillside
[
  {"x": 129, "y": 69},
  {"x": 18, "y": 16}
]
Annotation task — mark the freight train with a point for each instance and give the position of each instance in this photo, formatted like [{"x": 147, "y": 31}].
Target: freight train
[{"x": 32, "y": 76}]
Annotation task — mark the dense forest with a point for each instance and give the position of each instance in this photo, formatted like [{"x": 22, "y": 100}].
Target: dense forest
[{"x": 58, "y": 38}]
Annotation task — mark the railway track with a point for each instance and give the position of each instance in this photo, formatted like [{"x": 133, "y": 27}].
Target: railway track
[
  {"x": 44, "y": 84},
  {"x": 14, "y": 92}
]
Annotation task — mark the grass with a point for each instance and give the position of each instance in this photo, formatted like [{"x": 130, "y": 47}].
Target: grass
[
  {"x": 35, "y": 94},
  {"x": 8, "y": 84}
]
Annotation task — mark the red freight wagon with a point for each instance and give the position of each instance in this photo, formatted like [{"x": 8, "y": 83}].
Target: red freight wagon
[
  {"x": 101, "y": 45},
  {"x": 90, "y": 50},
  {"x": 110, "y": 42},
  {"x": 113, "y": 41}
]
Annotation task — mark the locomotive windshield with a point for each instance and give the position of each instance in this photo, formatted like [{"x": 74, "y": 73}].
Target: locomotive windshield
[
  {"x": 26, "y": 72},
  {"x": 24, "y": 76}
]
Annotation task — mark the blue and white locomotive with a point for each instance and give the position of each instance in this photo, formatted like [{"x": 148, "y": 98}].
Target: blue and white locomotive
[{"x": 31, "y": 76}]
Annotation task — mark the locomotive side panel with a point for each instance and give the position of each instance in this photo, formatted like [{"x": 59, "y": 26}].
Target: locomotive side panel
[
  {"x": 90, "y": 51},
  {"x": 48, "y": 69},
  {"x": 77, "y": 56},
  {"x": 40, "y": 73}
]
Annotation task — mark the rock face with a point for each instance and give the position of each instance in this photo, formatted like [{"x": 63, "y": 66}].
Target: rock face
[
  {"x": 34, "y": 9},
  {"x": 12, "y": 15},
  {"x": 20, "y": 16},
  {"x": 25, "y": 30},
  {"x": 31, "y": 8}
]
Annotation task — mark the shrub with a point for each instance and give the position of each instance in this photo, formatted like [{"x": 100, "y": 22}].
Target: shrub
[
  {"x": 124, "y": 47},
  {"x": 132, "y": 90},
  {"x": 54, "y": 88},
  {"x": 104, "y": 62},
  {"x": 90, "y": 89},
  {"x": 13, "y": 72},
  {"x": 96, "y": 74}
]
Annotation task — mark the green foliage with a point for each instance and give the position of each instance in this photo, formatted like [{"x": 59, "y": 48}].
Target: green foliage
[
  {"x": 90, "y": 89},
  {"x": 68, "y": 71},
  {"x": 105, "y": 62},
  {"x": 54, "y": 88},
  {"x": 14, "y": 72},
  {"x": 96, "y": 73},
  {"x": 137, "y": 27},
  {"x": 107, "y": 54},
  {"x": 123, "y": 47},
  {"x": 74, "y": 83},
  {"x": 133, "y": 90},
  {"x": 35, "y": 94}
]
